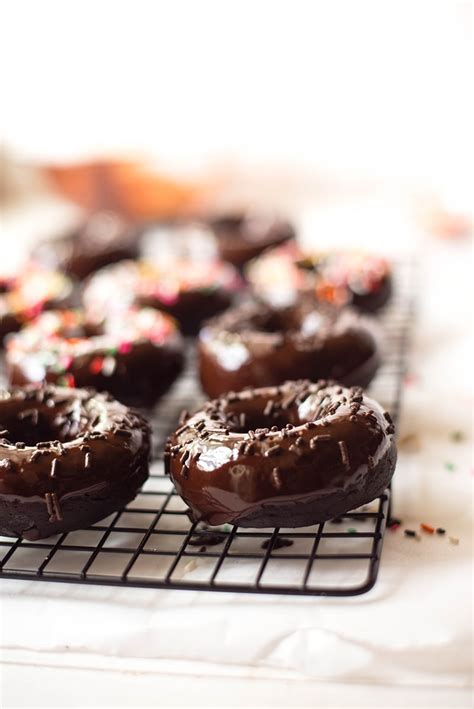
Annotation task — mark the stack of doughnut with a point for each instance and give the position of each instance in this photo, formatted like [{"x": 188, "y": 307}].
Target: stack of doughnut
[{"x": 94, "y": 325}]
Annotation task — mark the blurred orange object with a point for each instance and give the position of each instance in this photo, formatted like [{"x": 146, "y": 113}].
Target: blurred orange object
[{"x": 127, "y": 187}]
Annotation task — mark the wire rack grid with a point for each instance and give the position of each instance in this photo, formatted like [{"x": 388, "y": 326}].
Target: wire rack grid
[{"x": 152, "y": 542}]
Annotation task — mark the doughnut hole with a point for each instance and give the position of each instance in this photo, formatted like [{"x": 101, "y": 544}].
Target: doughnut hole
[
  {"x": 50, "y": 421},
  {"x": 252, "y": 415}
]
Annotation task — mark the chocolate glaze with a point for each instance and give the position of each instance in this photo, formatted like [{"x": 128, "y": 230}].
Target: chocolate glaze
[
  {"x": 243, "y": 236},
  {"x": 322, "y": 451},
  {"x": 101, "y": 239},
  {"x": 354, "y": 278},
  {"x": 136, "y": 357},
  {"x": 68, "y": 458},
  {"x": 257, "y": 345},
  {"x": 191, "y": 308},
  {"x": 189, "y": 291},
  {"x": 9, "y": 321}
]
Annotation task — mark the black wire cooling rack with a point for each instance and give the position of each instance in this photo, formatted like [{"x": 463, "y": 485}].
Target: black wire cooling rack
[{"x": 152, "y": 543}]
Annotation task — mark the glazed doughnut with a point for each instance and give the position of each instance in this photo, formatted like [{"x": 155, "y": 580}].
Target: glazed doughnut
[
  {"x": 243, "y": 236},
  {"x": 288, "y": 456},
  {"x": 101, "y": 239},
  {"x": 24, "y": 296},
  {"x": 339, "y": 277},
  {"x": 257, "y": 345},
  {"x": 135, "y": 356},
  {"x": 190, "y": 291},
  {"x": 68, "y": 458}
]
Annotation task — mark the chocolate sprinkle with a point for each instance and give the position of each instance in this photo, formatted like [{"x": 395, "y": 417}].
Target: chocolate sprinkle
[
  {"x": 322, "y": 437},
  {"x": 276, "y": 479},
  {"x": 344, "y": 454},
  {"x": 52, "y": 506},
  {"x": 274, "y": 450},
  {"x": 268, "y": 410},
  {"x": 54, "y": 468}
]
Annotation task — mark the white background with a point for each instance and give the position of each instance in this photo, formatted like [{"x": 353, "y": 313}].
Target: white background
[{"x": 354, "y": 88}]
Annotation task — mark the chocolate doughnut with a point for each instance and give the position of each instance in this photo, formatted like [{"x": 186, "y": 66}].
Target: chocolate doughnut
[
  {"x": 288, "y": 456},
  {"x": 257, "y": 345},
  {"x": 190, "y": 291},
  {"x": 101, "y": 239},
  {"x": 24, "y": 296},
  {"x": 354, "y": 278},
  {"x": 68, "y": 458},
  {"x": 135, "y": 356},
  {"x": 243, "y": 236}
]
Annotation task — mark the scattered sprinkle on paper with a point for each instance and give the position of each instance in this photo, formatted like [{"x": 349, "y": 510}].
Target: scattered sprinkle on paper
[
  {"x": 393, "y": 523},
  {"x": 427, "y": 528},
  {"x": 449, "y": 466}
]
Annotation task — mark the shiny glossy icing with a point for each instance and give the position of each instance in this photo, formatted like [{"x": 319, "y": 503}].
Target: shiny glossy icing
[
  {"x": 62, "y": 445},
  {"x": 257, "y": 345},
  {"x": 302, "y": 444}
]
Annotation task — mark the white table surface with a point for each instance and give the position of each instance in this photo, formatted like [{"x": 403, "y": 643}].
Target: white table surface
[{"x": 406, "y": 643}]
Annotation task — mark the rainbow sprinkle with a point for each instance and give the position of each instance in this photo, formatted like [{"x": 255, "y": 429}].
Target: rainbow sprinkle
[{"x": 427, "y": 528}]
